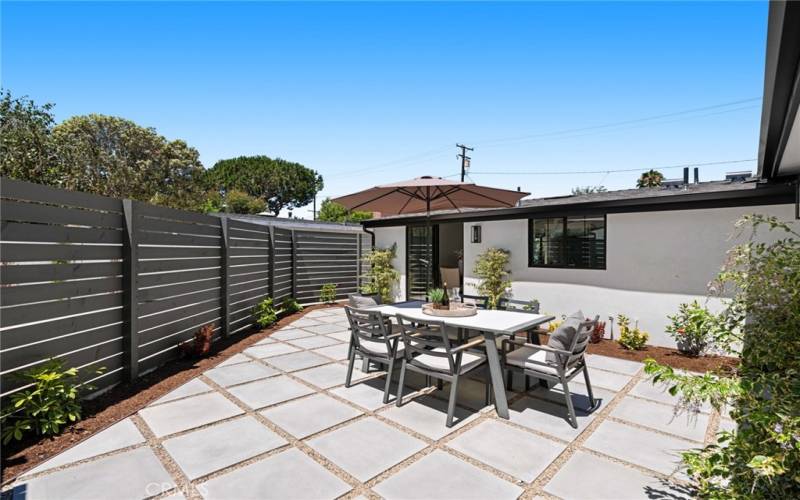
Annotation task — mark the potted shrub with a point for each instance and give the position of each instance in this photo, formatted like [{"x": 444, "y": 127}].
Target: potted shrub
[
  {"x": 491, "y": 268},
  {"x": 691, "y": 328},
  {"x": 437, "y": 297},
  {"x": 381, "y": 277}
]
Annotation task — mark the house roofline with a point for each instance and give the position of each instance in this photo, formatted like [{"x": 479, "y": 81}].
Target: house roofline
[{"x": 764, "y": 194}]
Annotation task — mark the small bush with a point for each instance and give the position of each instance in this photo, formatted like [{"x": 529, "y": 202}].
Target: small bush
[
  {"x": 327, "y": 293},
  {"x": 691, "y": 328},
  {"x": 265, "y": 312},
  {"x": 291, "y": 306},
  {"x": 47, "y": 406},
  {"x": 491, "y": 267},
  {"x": 598, "y": 333},
  {"x": 201, "y": 344},
  {"x": 532, "y": 305},
  {"x": 632, "y": 339}
]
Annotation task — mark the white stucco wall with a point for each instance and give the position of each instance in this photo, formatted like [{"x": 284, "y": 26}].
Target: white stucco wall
[
  {"x": 385, "y": 237},
  {"x": 655, "y": 261}
]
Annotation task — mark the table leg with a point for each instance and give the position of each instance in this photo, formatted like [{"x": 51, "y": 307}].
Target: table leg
[{"x": 496, "y": 371}]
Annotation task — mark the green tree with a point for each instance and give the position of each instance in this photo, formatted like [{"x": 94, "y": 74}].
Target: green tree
[
  {"x": 116, "y": 157},
  {"x": 588, "y": 190},
  {"x": 492, "y": 268},
  {"x": 334, "y": 212},
  {"x": 26, "y": 147},
  {"x": 280, "y": 183},
  {"x": 651, "y": 178}
]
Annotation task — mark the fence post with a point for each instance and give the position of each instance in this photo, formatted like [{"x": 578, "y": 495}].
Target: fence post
[
  {"x": 271, "y": 276},
  {"x": 358, "y": 262},
  {"x": 130, "y": 330},
  {"x": 225, "y": 318},
  {"x": 294, "y": 265}
]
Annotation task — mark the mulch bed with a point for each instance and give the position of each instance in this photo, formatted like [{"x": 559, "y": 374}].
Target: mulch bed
[{"x": 126, "y": 399}]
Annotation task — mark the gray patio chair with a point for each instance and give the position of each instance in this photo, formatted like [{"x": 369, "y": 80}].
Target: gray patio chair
[
  {"x": 560, "y": 361},
  {"x": 373, "y": 339},
  {"x": 429, "y": 351},
  {"x": 523, "y": 307},
  {"x": 364, "y": 299}
]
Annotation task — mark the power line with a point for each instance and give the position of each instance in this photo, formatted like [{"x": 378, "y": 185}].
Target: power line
[{"x": 613, "y": 171}]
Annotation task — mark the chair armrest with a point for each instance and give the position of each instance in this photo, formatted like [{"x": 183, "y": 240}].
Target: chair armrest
[
  {"x": 472, "y": 343},
  {"x": 538, "y": 347}
]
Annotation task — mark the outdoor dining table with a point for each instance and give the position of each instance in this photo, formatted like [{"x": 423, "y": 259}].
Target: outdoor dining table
[{"x": 490, "y": 324}]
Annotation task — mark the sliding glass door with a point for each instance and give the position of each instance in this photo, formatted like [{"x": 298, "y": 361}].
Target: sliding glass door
[{"x": 421, "y": 263}]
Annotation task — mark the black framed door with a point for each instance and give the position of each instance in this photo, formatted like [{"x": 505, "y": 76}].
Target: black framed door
[{"x": 420, "y": 273}]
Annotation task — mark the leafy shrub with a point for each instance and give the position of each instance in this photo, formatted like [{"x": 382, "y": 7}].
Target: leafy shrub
[
  {"x": 532, "y": 305},
  {"x": 49, "y": 404},
  {"x": 437, "y": 295},
  {"x": 291, "y": 306},
  {"x": 554, "y": 325},
  {"x": 491, "y": 267},
  {"x": 327, "y": 293},
  {"x": 382, "y": 276},
  {"x": 598, "y": 333},
  {"x": 691, "y": 328},
  {"x": 265, "y": 312},
  {"x": 238, "y": 202},
  {"x": 761, "y": 459},
  {"x": 201, "y": 344},
  {"x": 630, "y": 338}
]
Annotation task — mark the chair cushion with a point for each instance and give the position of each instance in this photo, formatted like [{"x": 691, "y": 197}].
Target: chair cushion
[
  {"x": 469, "y": 361},
  {"x": 361, "y": 301},
  {"x": 564, "y": 334},
  {"x": 377, "y": 347},
  {"x": 526, "y": 357}
]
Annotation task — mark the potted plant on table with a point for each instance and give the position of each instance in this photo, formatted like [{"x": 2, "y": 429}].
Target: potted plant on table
[
  {"x": 437, "y": 298},
  {"x": 691, "y": 328}
]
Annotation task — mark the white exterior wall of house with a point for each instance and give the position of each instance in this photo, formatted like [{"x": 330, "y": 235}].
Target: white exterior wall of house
[{"x": 654, "y": 261}]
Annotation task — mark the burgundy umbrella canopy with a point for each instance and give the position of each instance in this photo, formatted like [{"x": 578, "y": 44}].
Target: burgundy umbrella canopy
[{"x": 427, "y": 193}]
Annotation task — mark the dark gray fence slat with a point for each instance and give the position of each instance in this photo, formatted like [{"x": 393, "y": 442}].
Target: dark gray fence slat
[
  {"x": 252, "y": 252},
  {"x": 243, "y": 278},
  {"x": 176, "y": 226},
  {"x": 177, "y": 215},
  {"x": 23, "y": 335},
  {"x": 56, "y": 272},
  {"x": 149, "y": 238},
  {"x": 35, "y": 312},
  {"x": 155, "y": 306},
  {"x": 156, "y": 266},
  {"x": 161, "y": 292},
  {"x": 146, "y": 252},
  {"x": 15, "y": 295},
  {"x": 187, "y": 326},
  {"x": 172, "y": 316},
  {"x": 12, "y": 210},
  {"x": 172, "y": 278},
  {"x": 25, "y": 252},
  {"x": 20, "y": 190},
  {"x": 23, "y": 231}
]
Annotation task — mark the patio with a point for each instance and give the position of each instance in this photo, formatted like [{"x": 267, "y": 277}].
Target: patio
[{"x": 276, "y": 422}]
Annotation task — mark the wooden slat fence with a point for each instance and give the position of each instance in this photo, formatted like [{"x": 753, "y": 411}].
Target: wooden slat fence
[{"x": 120, "y": 284}]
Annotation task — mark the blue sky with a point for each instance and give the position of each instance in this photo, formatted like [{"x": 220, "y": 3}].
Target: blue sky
[{"x": 368, "y": 93}]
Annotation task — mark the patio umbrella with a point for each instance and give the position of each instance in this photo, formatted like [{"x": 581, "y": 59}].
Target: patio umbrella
[{"x": 425, "y": 194}]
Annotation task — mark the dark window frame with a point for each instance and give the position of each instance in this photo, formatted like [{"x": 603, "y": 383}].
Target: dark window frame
[{"x": 564, "y": 218}]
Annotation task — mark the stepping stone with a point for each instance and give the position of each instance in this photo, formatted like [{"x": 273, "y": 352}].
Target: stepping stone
[
  {"x": 297, "y": 361},
  {"x": 132, "y": 474},
  {"x": 318, "y": 313},
  {"x": 227, "y": 376},
  {"x": 548, "y": 417},
  {"x": 617, "y": 365},
  {"x": 330, "y": 318},
  {"x": 307, "y": 416},
  {"x": 341, "y": 336},
  {"x": 325, "y": 376},
  {"x": 188, "y": 413},
  {"x": 290, "y": 334},
  {"x": 427, "y": 416},
  {"x": 366, "y": 448},
  {"x": 471, "y": 393},
  {"x": 337, "y": 351},
  {"x": 441, "y": 475},
  {"x": 268, "y": 350},
  {"x": 607, "y": 380},
  {"x": 118, "y": 436},
  {"x": 191, "y": 388},
  {"x": 659, "y": 392},
  {"x": 213, "y": 448},
  {"x": 235, "y": 359},
  {"x": 635, "y": 445},
  {"x": 587, "y": 476},
  {"x": 314, "y": 342},
  {"x": 368, "y": 394},
  {"x": 266, "y": 340},
  {"x": 662, "y": 417},
  {"x": 324, "y": 329},
  {"x": 269, "y": 391},
  {"x": 579, "y": 394},
  {"x": 287, "y": 475},
  {"x": 304, "y": 322},
  {"x": 521, "y": 454}
]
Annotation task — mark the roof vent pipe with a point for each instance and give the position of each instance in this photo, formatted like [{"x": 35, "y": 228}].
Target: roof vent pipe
[
  {"x": 696, "y": 175},
  {"x": 685, "y": 175}
]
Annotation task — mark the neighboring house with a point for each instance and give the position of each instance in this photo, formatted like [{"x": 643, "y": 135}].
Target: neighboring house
[{"x": 639, "y": 252}]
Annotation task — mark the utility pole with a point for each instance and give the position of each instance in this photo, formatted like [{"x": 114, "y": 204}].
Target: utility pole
[{"x": 464, "y": 159}]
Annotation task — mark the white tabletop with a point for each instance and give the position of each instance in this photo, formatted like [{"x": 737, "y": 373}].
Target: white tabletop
[{"x": 486, "y": 320}]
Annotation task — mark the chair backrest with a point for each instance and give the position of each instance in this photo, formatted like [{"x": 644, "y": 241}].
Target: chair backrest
[
  {"x": 580, "y": 342},
  {"x": 359, "y": 300},
  {"x": 526, "y": 306},
  {"x": 451, "y": 277},
  {"x": 422, "y": 337},
  {"x": 367, "y": 325},
  {"x": 480, "y": 301}
]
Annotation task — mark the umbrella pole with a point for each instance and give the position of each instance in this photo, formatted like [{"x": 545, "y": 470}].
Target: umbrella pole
[{"x": 429, "y": 237}]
